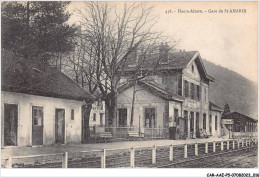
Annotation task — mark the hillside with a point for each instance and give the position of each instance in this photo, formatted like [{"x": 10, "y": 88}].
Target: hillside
[{"x": 232, "y": 88}]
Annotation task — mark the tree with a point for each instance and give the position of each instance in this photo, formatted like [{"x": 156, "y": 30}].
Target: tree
[
  {"x": 114, "y": 33},
  {"x": 79, "y": 65},
  {"x": 226, "y": 110},
  {"x": 36, "y": 30}
]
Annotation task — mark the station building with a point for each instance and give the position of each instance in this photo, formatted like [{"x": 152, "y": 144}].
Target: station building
[{"x": 176, "y": 94}]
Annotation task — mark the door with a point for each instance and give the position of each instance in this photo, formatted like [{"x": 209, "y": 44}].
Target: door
[
  {"x": 182, "y": 133},
  {"x": 122, "y": 117},
  {"x": 37, "y": 125},
  {"x": 59, "y": 126},
  {"x": 185, "y": 124},
  {"x": 197, "y": 125},
  {"x": 10, "y": 124}
]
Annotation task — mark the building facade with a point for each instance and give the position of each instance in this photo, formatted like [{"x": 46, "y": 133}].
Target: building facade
[
  {"x": 39, "y": 106},
  {"x": 175, "y": 95},
  {"x": 236, "y": 125}
]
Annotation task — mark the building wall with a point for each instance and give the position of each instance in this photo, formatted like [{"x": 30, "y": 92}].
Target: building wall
[
  {"x": 144, "y": 99},
  {"x": 201, "y": 106},
  {"x": 25, "y": 103},
  {"x": 216, "y": 133},
  {"x": 97, "y": 109}
]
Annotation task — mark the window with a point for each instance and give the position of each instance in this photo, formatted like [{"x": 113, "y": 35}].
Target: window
[
  {"x": 72, "y": 114},
  {"x": 216, "y": 122},
  {"x": 100, "y": 106},
  {"x": 186, "y": 88},
  {"x": 192, "y": 91},
  {"x": 101, "y": 118},
  {"x": 149, "y": 117},
  {"x": 192, "y": 68},
  {"x": 94, "y": 117},
  {"x": 37, "y": 114},
  {"x": 210, "y": 123},
  {"x": 176, "y": 115},
  {"x": 180, "y": 86},
  {"x": 204, "y": 121},
  {"x": 205, "y": 94},
  {"x": 198, "y": 92},
  {"x": 195, "y": 92}
]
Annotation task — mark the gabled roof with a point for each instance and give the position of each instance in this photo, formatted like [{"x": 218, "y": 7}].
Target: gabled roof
[
  {"x": 214, "y": 107},
  {"x": 237, "y": 115},
  {"x": 175, "y": 61},
  {"x": 25, "y": 77},
  {"x": 155, "y": 89}
]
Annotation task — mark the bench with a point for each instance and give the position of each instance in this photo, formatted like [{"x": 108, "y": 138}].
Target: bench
[
  {"x": 132, "y": 135},
  {"x": 204, "y": 134},
  {"x": 105, "y": 136}
]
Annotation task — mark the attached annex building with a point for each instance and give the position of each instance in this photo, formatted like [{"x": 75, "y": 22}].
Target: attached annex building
[
  {"x": 174, "y": 95},
  {"x": 40, "y": 105}
]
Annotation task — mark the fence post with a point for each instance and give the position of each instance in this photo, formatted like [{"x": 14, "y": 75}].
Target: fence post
[
  {"x": 233, "y": 144},
  {"x": 246, "y": 142},
  {"x": 171, "y": 153},
  {"x": 10, "y": 162},
  {"x": 154, "y": 155},
  {"x": 238, "y": 144},
  {"x": 65, "y": 160},
  {"x": 103, "y": 158},
  {"x": 206, "y": 147},
  {"x": 222, "y": 145},
  {"x": 228, "y": 145},
  {"x": 132, "y": 157},
  {"x": 185, "y": 151},
  {"x": 214, "y": 146},
  {"x": 242, "y": 142},
  {"x": 196, "y": 149}
]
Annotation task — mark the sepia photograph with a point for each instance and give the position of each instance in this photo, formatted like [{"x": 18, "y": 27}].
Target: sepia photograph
[{"x": 130, "y": 84}]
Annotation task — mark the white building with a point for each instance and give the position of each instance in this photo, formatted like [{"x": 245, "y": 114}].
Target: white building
[{"x": 39, "y": 106}]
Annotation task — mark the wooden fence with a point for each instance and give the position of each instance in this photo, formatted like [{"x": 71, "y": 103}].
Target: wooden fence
[{"x": 104, "y": 158}]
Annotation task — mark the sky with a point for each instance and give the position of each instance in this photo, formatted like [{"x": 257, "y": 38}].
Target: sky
[{"x": 226, "y": 39}]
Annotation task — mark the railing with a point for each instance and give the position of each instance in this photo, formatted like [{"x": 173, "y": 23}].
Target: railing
[{"x": 126, "y": 157}]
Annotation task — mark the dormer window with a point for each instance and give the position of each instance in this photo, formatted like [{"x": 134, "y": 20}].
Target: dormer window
[{"x": 192, "y": 68}]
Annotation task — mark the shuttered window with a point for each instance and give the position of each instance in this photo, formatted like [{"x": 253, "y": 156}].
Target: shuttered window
[
  {"x": 198, "y": 92},
  {"x": 186, "y": 88},
  {"x": 216, "y": 122},
  {"x": 204, "y": 121}
]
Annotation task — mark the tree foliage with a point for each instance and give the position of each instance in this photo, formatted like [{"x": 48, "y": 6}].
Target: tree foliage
[
  {"x": 226, "y": 109},
  {"x": 36, "y": 30}
]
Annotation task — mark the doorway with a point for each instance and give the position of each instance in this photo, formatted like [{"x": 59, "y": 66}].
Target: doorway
[
  {"x": 197, "y": 125},
  {"x": 10, "y": 124},
  {"x": 60, "y": 126},
  {"x": 122, "y": 117},
  {"x": 37, "y": 125}
]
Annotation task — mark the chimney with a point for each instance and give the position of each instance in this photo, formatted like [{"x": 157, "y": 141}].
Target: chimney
[{"x": 164, "y": 52}]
